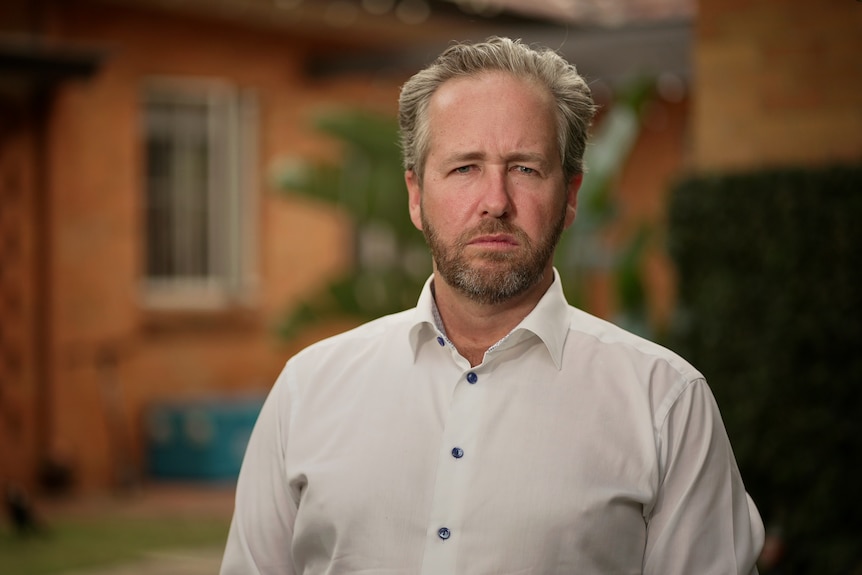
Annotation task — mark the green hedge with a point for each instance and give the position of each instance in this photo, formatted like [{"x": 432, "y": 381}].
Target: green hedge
[{"x": 770, "y": 288}]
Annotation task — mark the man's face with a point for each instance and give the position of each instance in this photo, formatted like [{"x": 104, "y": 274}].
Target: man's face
[{"x": 493, "y": 201}]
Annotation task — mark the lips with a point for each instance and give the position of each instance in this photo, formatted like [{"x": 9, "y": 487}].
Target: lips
[{"x": 494, "y": 240}]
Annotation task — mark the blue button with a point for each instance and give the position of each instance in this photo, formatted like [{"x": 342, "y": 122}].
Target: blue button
[
  {"x": 472, "y": 377},
  {"x": 441, "y": 341},
  {"x": 444, "y": 533},
  {"x": 457, "y": 452}
]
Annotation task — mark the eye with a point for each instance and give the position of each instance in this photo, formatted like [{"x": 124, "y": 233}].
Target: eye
[
  {"x": 463, "y": 169},
  {"x": 525, "y": 170}
]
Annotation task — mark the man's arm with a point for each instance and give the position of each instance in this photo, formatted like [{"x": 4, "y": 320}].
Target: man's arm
[
  {"x": 259, "y": 542},
  {"x": 703, "y": 521}
]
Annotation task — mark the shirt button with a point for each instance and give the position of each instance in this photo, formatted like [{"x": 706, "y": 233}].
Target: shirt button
[
  {"x": 457, "y": 452},
  {"x": 444, "y": 533},
  {"x": 472, "y": 377},
  {"x": 441, "y": 341}
]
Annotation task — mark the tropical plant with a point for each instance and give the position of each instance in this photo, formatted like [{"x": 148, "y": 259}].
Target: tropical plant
[{"x": 391, "y": 259}]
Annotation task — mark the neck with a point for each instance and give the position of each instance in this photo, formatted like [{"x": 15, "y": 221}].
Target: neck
[{"x": 472, "y": 326}]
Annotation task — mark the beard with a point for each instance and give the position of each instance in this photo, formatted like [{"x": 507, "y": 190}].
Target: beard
[{"x": 493, "y": 277}]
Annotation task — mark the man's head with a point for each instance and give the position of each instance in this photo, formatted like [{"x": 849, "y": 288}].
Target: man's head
[
  {"x": 572, "y": 97},
  {"x": 493, "y": 138}
]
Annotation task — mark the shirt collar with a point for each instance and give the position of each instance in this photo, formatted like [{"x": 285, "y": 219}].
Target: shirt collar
[
  {"x": 549, "y": 320},
  {"x": 424, "y": 324}
]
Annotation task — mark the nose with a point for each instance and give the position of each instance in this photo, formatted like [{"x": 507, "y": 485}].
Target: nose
[{"x": 496, "y": 201}]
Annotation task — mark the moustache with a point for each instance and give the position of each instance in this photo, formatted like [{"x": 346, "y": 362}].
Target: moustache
[{"x": 493, "y": 226}]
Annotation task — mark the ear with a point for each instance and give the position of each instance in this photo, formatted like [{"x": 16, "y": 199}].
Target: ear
[
  {"x": 414, "y": 196},
  {"x": 572, "y": 198}
]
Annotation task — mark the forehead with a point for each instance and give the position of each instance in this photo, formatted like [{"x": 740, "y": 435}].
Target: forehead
[{"x": 492, "y": 110}]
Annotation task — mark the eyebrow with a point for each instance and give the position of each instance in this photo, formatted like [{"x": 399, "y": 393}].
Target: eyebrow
[
  {"x": 461, "y": 157},
  {"x": 529, "y": 157}
]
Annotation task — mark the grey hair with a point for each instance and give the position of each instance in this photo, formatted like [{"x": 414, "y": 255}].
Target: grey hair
[{"x": 574, "y": 102}]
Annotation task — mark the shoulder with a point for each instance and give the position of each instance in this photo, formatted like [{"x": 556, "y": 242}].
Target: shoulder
[
  {"x": 626, "y": 365},
  {"x": 611, "y": 341},
  {"x": 377, "y": 332}
]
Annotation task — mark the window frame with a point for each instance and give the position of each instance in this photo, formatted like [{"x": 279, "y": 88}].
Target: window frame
[{"x": 232, "y": 124}]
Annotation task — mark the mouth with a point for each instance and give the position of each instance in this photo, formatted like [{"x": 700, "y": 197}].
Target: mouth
[{"x": 494, "y": 241}]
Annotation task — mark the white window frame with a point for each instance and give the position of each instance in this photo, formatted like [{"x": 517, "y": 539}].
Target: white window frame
[{"x": 230, "y": 135}]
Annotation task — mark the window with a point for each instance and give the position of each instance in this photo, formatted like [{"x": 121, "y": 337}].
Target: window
[{"x": 199, "y": 181}]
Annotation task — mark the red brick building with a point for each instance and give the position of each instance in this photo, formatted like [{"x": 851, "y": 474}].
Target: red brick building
[
  {"x": 776, "y": 83},
  {"x": 114, "y": 295}
]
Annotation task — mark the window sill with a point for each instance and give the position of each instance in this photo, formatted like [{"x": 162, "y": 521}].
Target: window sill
[{"x": 172, "y": 321}]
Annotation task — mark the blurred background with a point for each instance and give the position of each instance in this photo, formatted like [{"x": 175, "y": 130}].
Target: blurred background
[{"x": 193, "y": 190}]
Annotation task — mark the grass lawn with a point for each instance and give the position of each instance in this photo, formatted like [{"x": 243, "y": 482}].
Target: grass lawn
[{"x": 85, "y": 543}]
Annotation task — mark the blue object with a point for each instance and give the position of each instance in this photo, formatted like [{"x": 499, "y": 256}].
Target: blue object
[{"x": 201, "y": 439}]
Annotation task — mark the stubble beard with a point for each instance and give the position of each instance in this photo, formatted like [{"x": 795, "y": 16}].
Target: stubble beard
[{"x": 493, "y": 277}]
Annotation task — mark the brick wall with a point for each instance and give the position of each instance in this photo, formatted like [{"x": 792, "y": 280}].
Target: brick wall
[
  {"x": 18, "y": 267},
  {"x": 110, "y": 356},
  {"x": 777, "y": 82}
]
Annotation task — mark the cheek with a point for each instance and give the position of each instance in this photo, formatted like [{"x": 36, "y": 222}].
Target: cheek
[
  {"x": 538, "y": 219},
  {"x": 445, "y": 212}
]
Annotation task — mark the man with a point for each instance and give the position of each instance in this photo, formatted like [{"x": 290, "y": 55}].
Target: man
[{"x": 493, "y": 429}]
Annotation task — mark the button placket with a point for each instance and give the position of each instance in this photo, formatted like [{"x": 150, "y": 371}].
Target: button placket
[{"x": 453, "y": 485}]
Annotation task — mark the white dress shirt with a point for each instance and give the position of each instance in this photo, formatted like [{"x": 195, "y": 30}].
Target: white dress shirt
[{"x": 573, "y": 448}]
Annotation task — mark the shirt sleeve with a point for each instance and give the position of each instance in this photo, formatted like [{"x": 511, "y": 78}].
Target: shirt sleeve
[
  {"x": 703, "y": 521},
  {"x": 259, "y": 541}
]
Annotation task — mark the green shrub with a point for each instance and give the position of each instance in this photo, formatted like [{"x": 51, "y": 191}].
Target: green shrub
[{"x": 770, "y": 290}]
